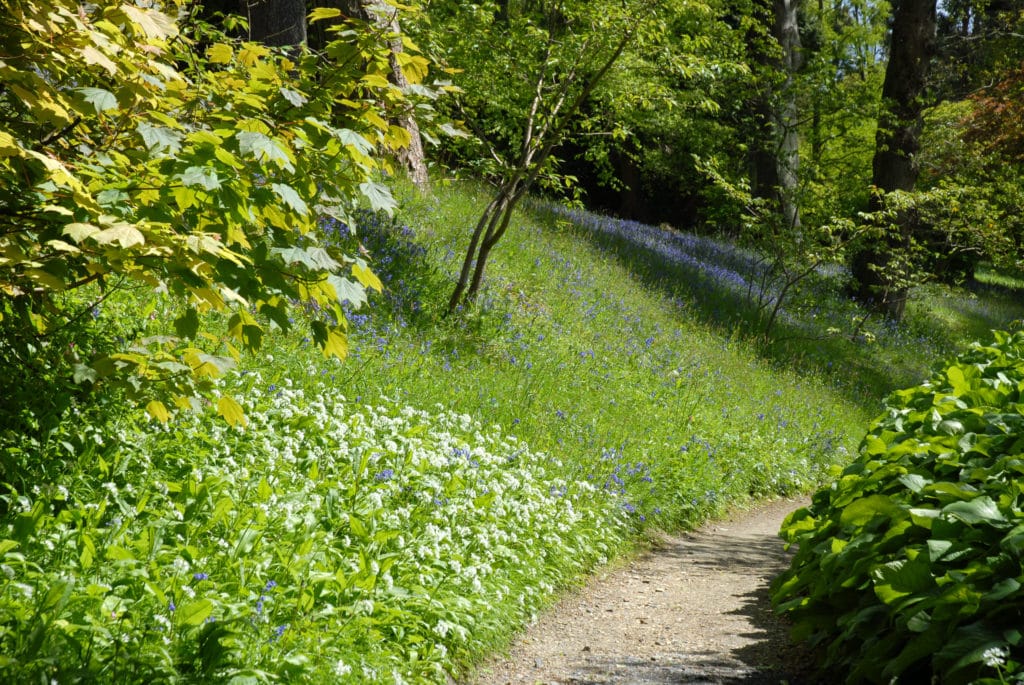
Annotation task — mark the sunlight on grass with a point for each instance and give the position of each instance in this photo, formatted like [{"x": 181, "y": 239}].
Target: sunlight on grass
[{"x": 420, "y": 500}]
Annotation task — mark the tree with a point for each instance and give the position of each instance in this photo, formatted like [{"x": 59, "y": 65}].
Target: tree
[
  {"x": 527, "y": 70},
  {"x": 137, "y": 149},
  {"x": 277, "y": 23},
  {"x": 880, "y": 269}
]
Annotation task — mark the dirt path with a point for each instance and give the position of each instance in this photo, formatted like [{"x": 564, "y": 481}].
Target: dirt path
[{"x": 692, "y": 610}]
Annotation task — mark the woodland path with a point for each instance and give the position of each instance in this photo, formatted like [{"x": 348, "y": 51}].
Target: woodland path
[{"x": 692, "y": 609}]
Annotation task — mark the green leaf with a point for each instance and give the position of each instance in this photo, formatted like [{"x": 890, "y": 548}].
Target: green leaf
[
  {"x": 860, "y": 511},
  {"x": 321, "y": 13},
  {"x": 154, "y": 23},
  {"x": 293, "y": 96},
  {"x": 336, "y": 344},
  {"x": 101, "y": 100},
  {"x": 194, "y": 613},
  {"x": 369, "y": 279},
  {"x": 84, "y": 373},
  {"x": 357, "y": 526},
  {"x": 978, "y": 510},
  {"x": 187, "y": 325},
  {"x": 1003, "y": 589},
  {"x": 314, "y": 258},
  {"x": 897, "y": 579},
  {"x": 220, "y": 53},
  {"x": 158, "y": 411},
  {"x": 379, "y": 196},
  {"x": 263, "y": 148},
  {"x": 203, "y": 177},
  {"x": 938, "y": 548},
  {"x": 913, "y": 481},
  {"x": 231, "y": 411},
  {"x": 124, "y": 234},
  {"x": 160, "y": 138},
  {"x": 79, "y": 231},
  {"x": 348, "y": 290},
  {"x": 360, "y": 143},
  {"x": 290, "y": 197},
  {"x": 957, "y": 381}
]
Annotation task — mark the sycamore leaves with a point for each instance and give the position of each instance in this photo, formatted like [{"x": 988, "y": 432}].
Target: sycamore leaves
[{"x": 129, "y": 155}]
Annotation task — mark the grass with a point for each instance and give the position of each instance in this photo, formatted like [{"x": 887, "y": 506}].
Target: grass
[{"x": 421, "y": 500}]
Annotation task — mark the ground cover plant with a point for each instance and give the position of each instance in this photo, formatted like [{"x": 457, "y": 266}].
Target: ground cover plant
[
  {"x": 393, "y": 517},
  {"x": 909, "y": 564},
  {"x": 392, "y": 531}
]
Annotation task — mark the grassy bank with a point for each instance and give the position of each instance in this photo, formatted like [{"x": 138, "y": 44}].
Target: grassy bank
[{"x": 394, "y": 517}]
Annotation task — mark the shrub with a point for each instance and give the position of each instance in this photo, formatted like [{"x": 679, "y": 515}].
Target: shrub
[{"x": 910, "y": 564}]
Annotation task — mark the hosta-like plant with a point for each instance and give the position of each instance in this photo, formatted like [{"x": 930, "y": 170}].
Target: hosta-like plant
[
  {"x": 139, "y": 145},
  {"x": 910, "y": 564}
]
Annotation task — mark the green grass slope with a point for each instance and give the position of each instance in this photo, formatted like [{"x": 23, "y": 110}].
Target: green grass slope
[{"x": 395, "y": 517}]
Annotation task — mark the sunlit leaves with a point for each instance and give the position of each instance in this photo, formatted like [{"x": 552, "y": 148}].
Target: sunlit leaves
[
  {"x": 160, "y": 138},
  {"x": 379, "y": 196},
  {"x": 102, "y": 100},
  {"x": 290, "y": 198},
  {"x": 191, "y": 163},
  {"x": 235, "y": 416}
]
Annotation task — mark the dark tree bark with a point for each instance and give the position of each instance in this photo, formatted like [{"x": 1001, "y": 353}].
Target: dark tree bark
[
  {"x": 775, "y": 151},
  {"x": 277, "y": 23},
  {"x": 787, "y": 32},
  {"x": 879, "y": 279}
]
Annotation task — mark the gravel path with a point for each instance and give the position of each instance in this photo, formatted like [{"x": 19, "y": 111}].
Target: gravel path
[{"x": 694, "y": 609}]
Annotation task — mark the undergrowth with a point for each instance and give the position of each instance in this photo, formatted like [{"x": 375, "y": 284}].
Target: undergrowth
[{"x": 395, "y": 517}]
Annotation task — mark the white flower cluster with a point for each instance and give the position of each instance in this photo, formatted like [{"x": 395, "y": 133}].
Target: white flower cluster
[{"x": 407, "y": 513}]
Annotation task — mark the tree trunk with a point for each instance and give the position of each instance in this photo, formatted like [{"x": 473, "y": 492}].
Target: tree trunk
[
  {"x": 385, "y": 18},
  {"x": 787, "y": 32},
  {"x": 629, "y": 196},
  {"x": 896, "y": 145},
  {"x": 775, "y": 152},
  {"x": 278, "y": 23},
  {"x": 764, "y": 169},
  {"x": 412, "y": 157}
]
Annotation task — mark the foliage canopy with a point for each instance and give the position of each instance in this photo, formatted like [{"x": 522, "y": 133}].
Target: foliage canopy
[{"x": 145, "y": 146}]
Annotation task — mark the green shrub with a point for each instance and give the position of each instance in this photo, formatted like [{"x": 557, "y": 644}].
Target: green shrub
[{"x": 910, "y": 563}]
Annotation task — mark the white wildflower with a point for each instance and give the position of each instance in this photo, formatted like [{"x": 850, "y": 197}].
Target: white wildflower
[{"x": 994, "y": 657}]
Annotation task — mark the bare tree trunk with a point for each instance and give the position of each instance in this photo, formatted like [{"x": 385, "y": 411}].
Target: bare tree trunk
[
  {"x": 278, "y": 23},
  {"x": 539, "y": 140},
  {"x": 896, "y": 145},
  {"x": 775, "y": 151},
  {"x": 787, "y": 32}
]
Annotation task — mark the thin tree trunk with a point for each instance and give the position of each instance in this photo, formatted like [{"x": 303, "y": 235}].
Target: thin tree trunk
[
  {"x": 486, "y": 220},
  {"x": 490, "y": 240},
  {"x": 879, "y": 278},
  {"x": 538, "y": 143}
]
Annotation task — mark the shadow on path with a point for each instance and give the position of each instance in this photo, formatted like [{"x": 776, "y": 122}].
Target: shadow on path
[{"x": 693, "y": 610}]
